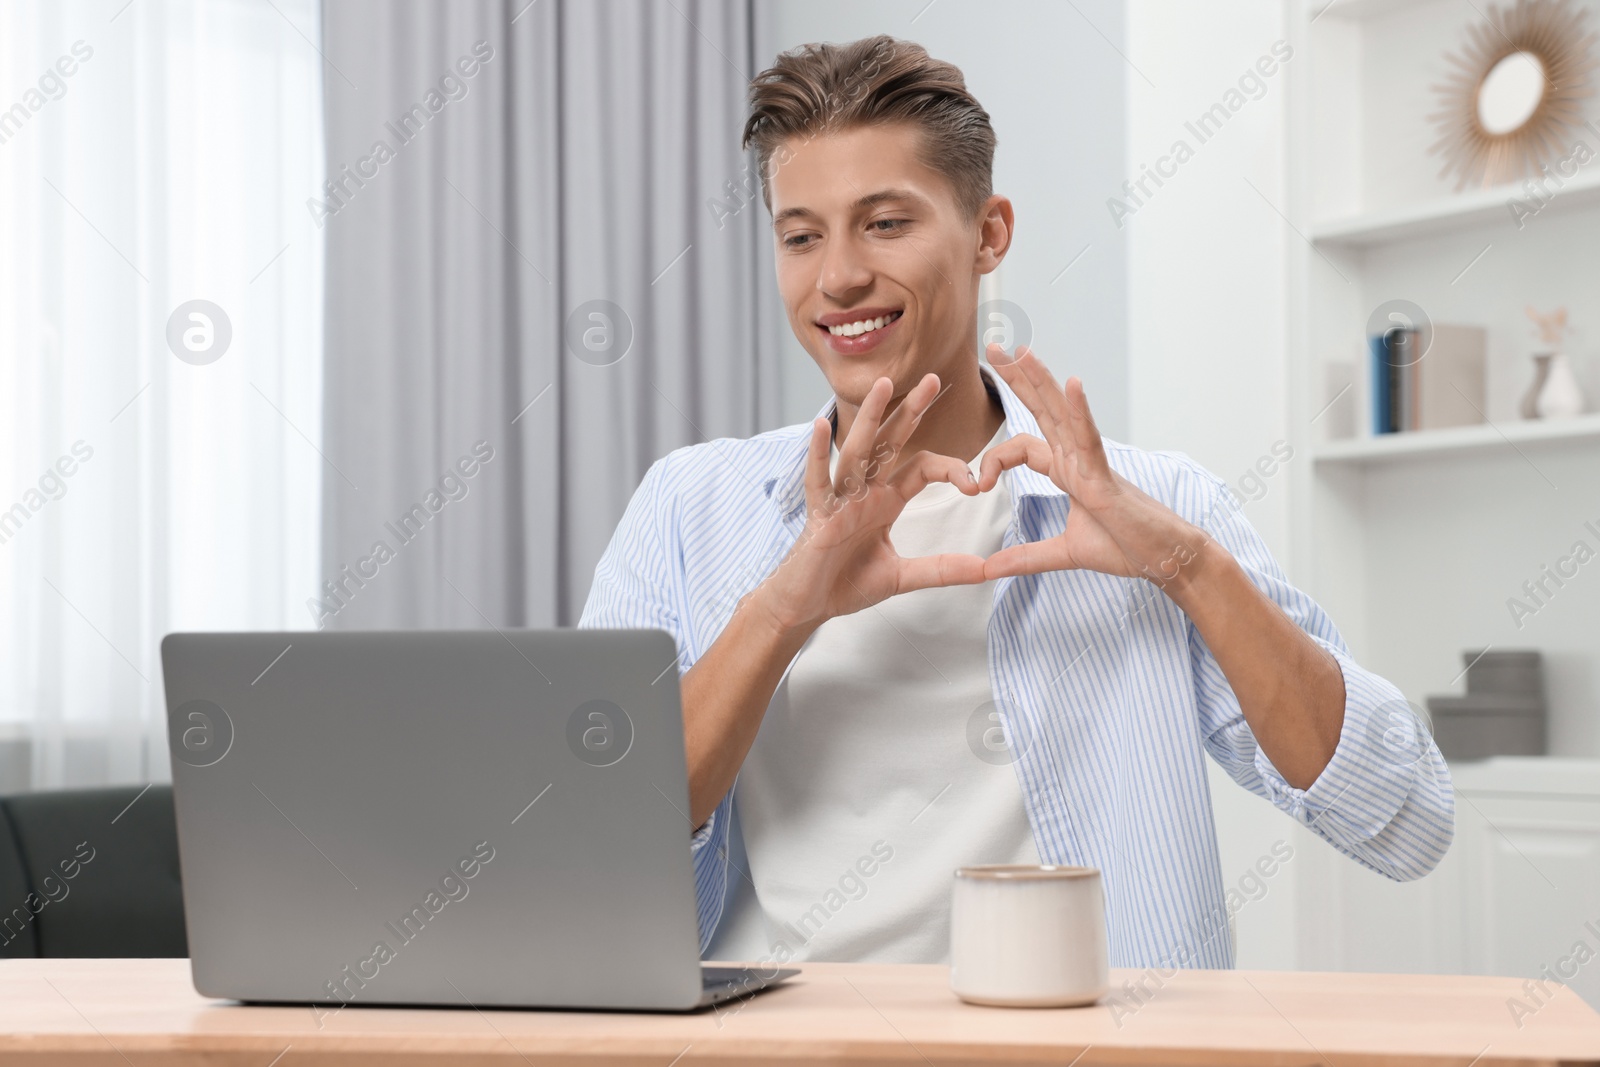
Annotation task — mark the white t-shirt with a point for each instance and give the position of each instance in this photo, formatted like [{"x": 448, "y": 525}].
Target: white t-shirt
[{"x": 877, "y": 770}]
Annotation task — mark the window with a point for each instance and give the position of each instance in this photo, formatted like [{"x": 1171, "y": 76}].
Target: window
[{"x": 159, "y": 465}]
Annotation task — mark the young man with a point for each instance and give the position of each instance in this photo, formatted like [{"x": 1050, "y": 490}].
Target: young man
[{"x": 948, "y": 623}]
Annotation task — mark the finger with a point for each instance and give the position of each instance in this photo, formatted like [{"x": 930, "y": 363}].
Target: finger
[
  {"x": 914, "y": 475},
  {"x": 1005, "y": 363},
  {"x": 1014, "y": 451},
  {"x": 902, "y": 422},
  {"x": 818, "y": 484},
  {"x": 1054, "y": 401},
  {"x": 863, "y": 431},
  {"x": 999, "y": 357},
  {"x": 926, "y": 572},
  {"x": 1016, "y": 376},
  {"x": 1006, "y": 366},
  {"x": 1086, "y": 432},
  {"x": 1033, "y": 557}
]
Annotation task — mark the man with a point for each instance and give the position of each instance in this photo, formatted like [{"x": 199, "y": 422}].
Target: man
[{"x": 948, "y": 623}]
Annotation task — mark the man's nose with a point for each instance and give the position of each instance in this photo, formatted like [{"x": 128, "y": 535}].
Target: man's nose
[{"x": 844, "y": 268}]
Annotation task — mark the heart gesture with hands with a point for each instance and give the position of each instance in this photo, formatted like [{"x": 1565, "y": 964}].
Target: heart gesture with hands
[
  {"x": 1112, "y": 526},
  {"x": 843, "y": 560}
]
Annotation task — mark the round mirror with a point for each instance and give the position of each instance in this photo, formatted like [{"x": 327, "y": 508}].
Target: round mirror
[
  {"x": 1510, "y": 93},
  {"x": 1515, "y": 93}
]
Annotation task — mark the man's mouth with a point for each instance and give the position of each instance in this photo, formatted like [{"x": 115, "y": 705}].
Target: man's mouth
[{"x": 857, "y": 327}]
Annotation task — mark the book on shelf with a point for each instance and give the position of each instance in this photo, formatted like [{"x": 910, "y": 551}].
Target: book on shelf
[{"x": 1427, "y": 380}]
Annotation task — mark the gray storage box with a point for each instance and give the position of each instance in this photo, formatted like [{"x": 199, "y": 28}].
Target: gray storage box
[
  {"x": 1505, "y": 671},
  {"x": 1502, "y": 713},
  {"x": 1478, "y": 726}
]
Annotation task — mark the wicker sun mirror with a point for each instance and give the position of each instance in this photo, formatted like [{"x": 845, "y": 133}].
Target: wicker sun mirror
[{"x": 1515, "y": 94}]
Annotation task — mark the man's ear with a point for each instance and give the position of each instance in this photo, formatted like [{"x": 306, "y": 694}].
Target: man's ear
[{"x": 995, "y": 226}]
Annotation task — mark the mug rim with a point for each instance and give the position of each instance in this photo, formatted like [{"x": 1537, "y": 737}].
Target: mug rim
[{"x": 1025, "y": 871}]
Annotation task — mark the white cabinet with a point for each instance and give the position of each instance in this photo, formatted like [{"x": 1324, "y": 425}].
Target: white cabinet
[
  {"x": 1518, "y": 893},
  {"x": 1529, "y": 876}
]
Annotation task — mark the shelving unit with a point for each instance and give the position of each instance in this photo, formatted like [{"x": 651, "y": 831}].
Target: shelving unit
[
  {"x": 1415, "y": 543},
  {"x": 1386, "y": 226}
]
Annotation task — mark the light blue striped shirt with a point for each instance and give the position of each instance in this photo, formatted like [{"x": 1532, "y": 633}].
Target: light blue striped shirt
[{"x": 1106, "y": 691}]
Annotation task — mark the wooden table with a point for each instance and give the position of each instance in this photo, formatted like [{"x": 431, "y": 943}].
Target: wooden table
[{"x": 143, "y": 1012}]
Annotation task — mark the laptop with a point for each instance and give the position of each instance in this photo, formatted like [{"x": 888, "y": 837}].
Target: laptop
[{"x": 466, "y": 818}]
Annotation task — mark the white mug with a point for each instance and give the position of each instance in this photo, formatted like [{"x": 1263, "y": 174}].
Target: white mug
[{"x": 1028, "y": 936}]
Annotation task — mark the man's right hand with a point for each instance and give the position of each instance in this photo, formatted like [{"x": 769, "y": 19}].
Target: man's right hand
[{"x": 843, "y": 561}]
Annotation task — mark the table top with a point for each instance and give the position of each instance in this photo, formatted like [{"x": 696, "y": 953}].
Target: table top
[{"x": 61, "y": 1011}]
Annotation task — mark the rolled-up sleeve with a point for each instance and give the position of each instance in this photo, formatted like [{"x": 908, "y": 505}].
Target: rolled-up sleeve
[
  {"x": 1385, "y": 797},
  {"x": 639, "y": 583}
]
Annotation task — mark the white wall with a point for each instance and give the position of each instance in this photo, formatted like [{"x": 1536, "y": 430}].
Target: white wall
[
  {"x": 1206, "y": 286},
  {"x": 1208, "y": 330},
  {"x": 1052, "y": 85}
]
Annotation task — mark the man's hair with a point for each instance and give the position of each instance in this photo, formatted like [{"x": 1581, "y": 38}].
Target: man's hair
[{"x": 827, "y": 88}]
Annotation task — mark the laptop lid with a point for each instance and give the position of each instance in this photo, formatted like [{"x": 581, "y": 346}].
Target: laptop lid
[{"x": 483, "y": 817}]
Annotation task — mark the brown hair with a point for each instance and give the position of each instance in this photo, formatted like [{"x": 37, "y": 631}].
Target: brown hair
[{"x": 825, "y": 88}]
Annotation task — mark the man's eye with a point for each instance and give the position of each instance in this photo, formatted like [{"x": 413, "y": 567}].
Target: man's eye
[
  {"x": 797, "y": 241},
  {"x": 888, "y": 225}
]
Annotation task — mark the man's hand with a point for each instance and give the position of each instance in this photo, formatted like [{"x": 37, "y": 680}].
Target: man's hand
[
  {"x": 843, "y": 561},
  {"x": 1112, "y": 525},
  {"x": 1290, "y": 690}
]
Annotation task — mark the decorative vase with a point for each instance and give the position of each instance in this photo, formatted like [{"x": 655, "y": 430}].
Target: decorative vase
[
  {"x": 1541, "y": 372},
  {"x": 1560, "y": 398}
]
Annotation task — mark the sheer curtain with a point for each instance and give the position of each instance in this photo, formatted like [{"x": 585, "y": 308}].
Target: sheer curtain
[{"x": 159, "y": 459}]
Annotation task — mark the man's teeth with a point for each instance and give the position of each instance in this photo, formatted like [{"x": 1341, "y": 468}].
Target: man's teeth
[{"x": 851, "y": 329}]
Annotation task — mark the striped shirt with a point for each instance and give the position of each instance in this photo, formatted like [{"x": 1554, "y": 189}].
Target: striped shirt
[{"x": 1106, "y": 691}]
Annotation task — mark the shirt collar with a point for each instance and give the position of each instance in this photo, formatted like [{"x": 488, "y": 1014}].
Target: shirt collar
[{"x": 789, "y": 491}]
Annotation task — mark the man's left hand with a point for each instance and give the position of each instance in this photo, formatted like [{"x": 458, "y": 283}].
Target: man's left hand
[{"x": 1112, "y": 525}]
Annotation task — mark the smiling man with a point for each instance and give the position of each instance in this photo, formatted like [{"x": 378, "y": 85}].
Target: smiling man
[{"x": 947, "y": 622}]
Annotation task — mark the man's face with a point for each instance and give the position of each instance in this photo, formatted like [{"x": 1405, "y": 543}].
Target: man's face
[{"x": 865, "y": 233}]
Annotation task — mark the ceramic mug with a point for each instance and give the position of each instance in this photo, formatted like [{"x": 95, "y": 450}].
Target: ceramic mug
[{"x": 1028, "y": 936}]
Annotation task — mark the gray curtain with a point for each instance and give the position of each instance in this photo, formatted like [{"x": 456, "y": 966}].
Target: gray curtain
[{"x": 559, "y": 255}]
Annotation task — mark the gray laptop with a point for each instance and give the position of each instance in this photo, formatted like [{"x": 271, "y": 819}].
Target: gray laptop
[{"x": 446, "y": 818}]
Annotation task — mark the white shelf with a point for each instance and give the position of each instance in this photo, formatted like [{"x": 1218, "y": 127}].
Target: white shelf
[
  {"x": 1358, "y": 9},
  {"x": 1457, "y": 440},
  {"x": 1455, "y": 212}
]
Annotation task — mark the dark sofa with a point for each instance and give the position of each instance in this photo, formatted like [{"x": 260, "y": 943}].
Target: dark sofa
[{"x": 90, "y": 873}]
